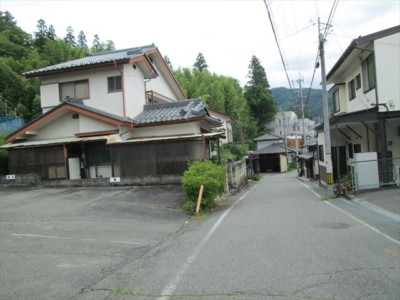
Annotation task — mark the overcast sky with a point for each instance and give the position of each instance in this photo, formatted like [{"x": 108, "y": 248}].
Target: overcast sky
[{"x": 227, "y": 32}]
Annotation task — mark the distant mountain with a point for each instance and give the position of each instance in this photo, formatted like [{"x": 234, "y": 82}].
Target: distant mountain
[{"x": 313, "y": 102}]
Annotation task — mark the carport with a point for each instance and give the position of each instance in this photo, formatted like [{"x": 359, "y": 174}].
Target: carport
[{"x": 272, "y": 158}]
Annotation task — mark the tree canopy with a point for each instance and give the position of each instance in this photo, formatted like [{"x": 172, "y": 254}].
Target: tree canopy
[{"x": 21, "y": 52}]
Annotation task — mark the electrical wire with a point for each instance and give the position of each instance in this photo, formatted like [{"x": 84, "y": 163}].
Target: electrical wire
[
  {"x": 280, "y": 52},
  {"x": 328, "y": 25}
]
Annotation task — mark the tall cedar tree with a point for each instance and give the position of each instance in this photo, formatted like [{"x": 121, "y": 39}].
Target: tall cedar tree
[
  {"x": 70, "y": 38},
  {"x": 51, "y": 33},
  {"x": 200, "y": 63},
  {"x": 258, "y": 95},
  {"x": 40, "y": 35},
  {"x": 82, "y": 42}
]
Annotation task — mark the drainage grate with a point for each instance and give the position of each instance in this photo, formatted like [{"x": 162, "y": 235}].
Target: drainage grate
[{"x": 335, "y": 225}]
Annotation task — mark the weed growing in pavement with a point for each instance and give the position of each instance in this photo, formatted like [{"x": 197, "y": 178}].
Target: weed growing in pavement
[
  {"x": 257, "y": 177},
  {"x": 123, "y": 291},
  {"x": 325, "y": 198},
  {"x": 200, "y": 217}
]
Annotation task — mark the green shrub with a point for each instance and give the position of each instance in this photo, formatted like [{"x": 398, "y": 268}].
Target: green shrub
[
  {"x": 232, "y": 151},
  {"x": 256, "y": 177},
  {"x": 205, "y": 173}
]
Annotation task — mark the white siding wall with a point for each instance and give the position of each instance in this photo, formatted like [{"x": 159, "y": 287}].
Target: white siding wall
[
  {"x": 134, "y": 90},
  {"x": 160, "y": 85},
  {"x": 362, "y": 101},
  {"x": 98, "y": 89},
  {"x": 165, "y": 130},
  {"x": 88, "y": 124},
  {"x": 64, "y": 126},
  {"x": 49, "y": 96},
  {"x": 387, "y": 58}
]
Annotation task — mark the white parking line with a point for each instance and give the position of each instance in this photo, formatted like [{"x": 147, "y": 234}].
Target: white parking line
[
  {"x": 354, "y": 218},
  {"x": 66, "y": 238}
]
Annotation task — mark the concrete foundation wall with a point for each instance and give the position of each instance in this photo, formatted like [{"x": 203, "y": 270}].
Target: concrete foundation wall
[{"x": 34, "y": 179}]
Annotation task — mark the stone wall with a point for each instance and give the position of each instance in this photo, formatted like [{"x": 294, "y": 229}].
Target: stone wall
[{"x": 236, "y": 175}]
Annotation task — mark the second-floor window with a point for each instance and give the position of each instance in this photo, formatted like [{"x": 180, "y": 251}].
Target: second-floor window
[
  {"x": 358, "y": 81},
  {"x": 336, "y": 101},
  {"x": 75, "y": 89},
  {"x": 368, "y": 73},
  {"x": 352, "y": 90},
  {"x": 114, "y": 84}
]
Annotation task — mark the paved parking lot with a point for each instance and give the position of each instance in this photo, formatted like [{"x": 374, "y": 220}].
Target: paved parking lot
[{"x": 56, "y": 243}]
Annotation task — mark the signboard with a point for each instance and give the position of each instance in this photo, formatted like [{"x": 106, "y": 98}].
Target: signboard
[{"x": 115, "y": 179}]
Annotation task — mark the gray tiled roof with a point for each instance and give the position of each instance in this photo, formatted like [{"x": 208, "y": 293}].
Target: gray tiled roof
[
  {"x": 268, "y": 137},
  {"x": 96, "y": 58},
  {"x": 173, "y": 111},
  {"x": 80, "y": 104},
  {"x": 274, "y": 148}
]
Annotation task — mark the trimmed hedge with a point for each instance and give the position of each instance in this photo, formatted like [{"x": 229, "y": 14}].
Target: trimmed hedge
[{"x": 205, "y": 173}]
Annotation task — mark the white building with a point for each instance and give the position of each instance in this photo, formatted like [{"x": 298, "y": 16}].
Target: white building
[{"x": 366, "y": 121}]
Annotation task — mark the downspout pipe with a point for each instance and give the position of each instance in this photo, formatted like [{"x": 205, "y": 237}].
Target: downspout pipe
[
  {"x": 123, "y": 88},
  {"x": 204, "y": 146}
]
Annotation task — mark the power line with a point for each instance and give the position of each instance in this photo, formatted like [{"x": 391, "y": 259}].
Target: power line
[
  {"x": 328, "y": 25},
  {"x": 280, "y": 52}
]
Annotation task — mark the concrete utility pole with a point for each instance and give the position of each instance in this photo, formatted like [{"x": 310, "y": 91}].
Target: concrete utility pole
[
  {"x": 327, "y": 134},
  {"x": 300, "y": 94}
]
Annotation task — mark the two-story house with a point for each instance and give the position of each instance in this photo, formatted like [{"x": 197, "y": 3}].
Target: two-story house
[
  {"x": 112, "y": 114},
  {"x": 288, "y": 124},
  {"x": 366, "y": 122}
]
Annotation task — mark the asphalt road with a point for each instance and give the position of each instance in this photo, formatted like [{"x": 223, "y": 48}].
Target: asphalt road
[{"x": 274, "y": 240}]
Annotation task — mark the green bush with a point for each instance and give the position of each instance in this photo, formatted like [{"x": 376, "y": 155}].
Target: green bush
[
  {"x": 205, "y": 173},
  {"x": 232, "y": 151}
]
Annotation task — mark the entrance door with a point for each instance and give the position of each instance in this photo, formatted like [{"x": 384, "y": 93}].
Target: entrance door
[
  {"x": 342, "y": 162},
  {"x": 74, "y": 168}
]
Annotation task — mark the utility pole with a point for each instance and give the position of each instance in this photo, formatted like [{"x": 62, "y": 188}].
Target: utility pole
[
  {"x": 327, "y": 134},
  {"x": 300, "y": 94}
]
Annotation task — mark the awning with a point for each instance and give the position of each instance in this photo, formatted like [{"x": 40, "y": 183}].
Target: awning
[
  {"x": 307, "y": 155},
  {"x": 199, "y": 136},
  {"x": 51, "y": 142},
  {"x": 112, "y": 139}
]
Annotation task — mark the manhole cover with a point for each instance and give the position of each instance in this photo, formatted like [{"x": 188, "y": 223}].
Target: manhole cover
[{"x": 335, "y": 225}]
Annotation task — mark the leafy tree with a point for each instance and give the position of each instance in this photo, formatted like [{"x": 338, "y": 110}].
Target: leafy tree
[
  {"x": 70, "y": 38},
  {"x": 109, "y": 46},
  {"x": 200, "y": 63},
  {"x": 41, "y": 34},
  {"x": 14, "y": 42},
  {"x": 259, "y": 98}
]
